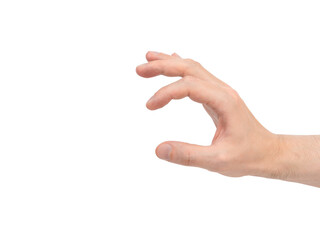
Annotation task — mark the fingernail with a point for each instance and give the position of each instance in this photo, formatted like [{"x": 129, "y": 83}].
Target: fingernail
[{"x": 164, "y": 151}]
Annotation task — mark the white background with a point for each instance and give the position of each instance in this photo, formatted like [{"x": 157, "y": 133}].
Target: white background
[{"x": 77, "y": 143}]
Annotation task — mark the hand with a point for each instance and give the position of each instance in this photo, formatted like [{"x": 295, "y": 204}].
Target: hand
[{"x": 241, "y": 145}]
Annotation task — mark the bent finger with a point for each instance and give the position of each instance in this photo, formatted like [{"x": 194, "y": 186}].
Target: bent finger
[{"x": 196, "y": 89}]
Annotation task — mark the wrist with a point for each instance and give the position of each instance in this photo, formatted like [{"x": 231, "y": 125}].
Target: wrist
[{"x": 295, "y": 158}]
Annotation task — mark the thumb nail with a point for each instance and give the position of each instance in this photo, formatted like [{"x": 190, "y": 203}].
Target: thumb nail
[{"x": 164, "y": 151}]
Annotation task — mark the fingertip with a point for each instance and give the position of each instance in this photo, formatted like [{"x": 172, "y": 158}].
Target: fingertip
[
  {"x": 163, "y": 151},
  {"x": 139, "y": 69},
  {"x": 151, "y": 55},
  {"x": 156, "y": 103},
  {"x": 152, "y": 106},
  {"x": 148, "y": 55},
  {"x": 148, "y": 105}
]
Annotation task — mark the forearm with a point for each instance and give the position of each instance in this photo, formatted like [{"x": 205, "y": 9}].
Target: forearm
[{"x": 296, "y": 159}]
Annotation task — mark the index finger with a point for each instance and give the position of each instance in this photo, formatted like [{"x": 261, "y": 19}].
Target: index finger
[
  {"x": 174, "y": 67},
  {"x": 167, "y": 67}
]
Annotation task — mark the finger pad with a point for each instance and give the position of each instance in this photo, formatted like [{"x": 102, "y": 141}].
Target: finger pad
[{"x": 146, "y": 72}]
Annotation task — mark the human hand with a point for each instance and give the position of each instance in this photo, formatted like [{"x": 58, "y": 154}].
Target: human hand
[{"x": 241, "y": 145}]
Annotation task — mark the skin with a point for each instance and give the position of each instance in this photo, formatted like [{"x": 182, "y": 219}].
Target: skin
[{"x": 241, "y": 146}]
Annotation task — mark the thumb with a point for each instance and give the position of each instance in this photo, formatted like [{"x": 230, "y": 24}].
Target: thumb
[{"x": 185, "y": 153}]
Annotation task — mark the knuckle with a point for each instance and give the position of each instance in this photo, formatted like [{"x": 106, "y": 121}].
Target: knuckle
[
  {"x": 189, "y": 79},
  {"x": 227, "y": 164},
  {"x": 234, "y": 94},
  {"x": 191, "y": 64},
  {"x": 188, "y": 160},
  {"x": 232, "y": 97},
  {"x": 222, "y": 157},
  {"x": 185, "y": 158},
  {"x": 222, "y": 162}
]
